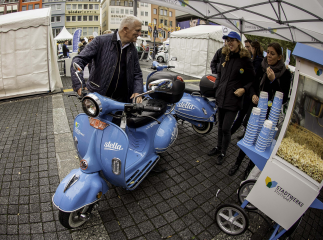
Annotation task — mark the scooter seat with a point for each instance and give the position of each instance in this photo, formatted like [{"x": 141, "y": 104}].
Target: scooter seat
[
  {"x": 145, "y": 117},
  {"x": 191, "y": 89}
]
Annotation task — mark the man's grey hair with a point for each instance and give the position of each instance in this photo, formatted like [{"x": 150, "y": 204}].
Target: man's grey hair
[{"x": 129, "y": 21}]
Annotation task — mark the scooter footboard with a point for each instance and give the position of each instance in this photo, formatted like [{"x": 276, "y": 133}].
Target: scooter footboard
[{"x": 79, "y": 189}]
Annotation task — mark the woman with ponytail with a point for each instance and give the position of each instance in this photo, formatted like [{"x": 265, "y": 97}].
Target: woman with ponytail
[{"x": 235, "y": 77}]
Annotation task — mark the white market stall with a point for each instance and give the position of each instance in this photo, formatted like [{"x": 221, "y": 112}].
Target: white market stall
[
  {"x": 194, "y": 49},
  {"x": 28, "y": 60},
  {"x": 63, "y": 35}
]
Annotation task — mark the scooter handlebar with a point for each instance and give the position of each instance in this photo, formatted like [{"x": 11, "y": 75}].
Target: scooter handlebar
[
  {"x": 151, "y": 109},
  {"x": 171, "y": 67}
]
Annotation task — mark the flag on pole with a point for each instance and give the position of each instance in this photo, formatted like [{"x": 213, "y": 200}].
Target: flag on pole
[{"x": 76, "y": 39}]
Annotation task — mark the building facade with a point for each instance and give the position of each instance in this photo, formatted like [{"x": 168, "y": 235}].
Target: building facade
[
  {"x": 165, "y": 21},
  {"x": 57, "y": 14},
  {"x": 117, "y": 11},
  {"x": 83, "y": 14},
  {"x": 8, "y": 6},
  {"x": 25, "y": 5},
  {"x": 144, "y": 13}
]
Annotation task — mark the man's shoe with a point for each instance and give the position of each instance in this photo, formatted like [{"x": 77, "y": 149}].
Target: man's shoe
[
  {"x": 233, "y": 169},
  {"x": 158, "y": 169},
  {"x": 220, "y": 159},
  {"x": 214, "y": 151}
]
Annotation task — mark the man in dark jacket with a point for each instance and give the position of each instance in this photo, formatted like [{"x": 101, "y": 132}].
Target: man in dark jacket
[
  {"x": 65, "y": 49},
  {"x": 115, "y": 70},
  {"x": 216, "y": 60}
]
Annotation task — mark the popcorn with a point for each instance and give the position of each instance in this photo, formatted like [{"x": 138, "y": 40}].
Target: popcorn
[{"x": 304, "y": 150}]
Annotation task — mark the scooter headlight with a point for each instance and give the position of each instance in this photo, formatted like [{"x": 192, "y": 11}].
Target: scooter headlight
[{"x": 91, "y": 105}]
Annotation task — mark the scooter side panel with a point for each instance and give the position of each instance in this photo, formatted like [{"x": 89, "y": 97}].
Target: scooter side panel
[
  {"x": 83, "y": 192},
  {"x": 82, "y": 131},
  {"x": 114, "y": 144},
  {"x": 191, "y": 107},
  {"x": 166, "y": 134}
]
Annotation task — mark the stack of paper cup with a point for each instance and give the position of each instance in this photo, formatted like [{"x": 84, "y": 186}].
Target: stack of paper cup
[
  {"x": 251, "y": 132},
  {"x": 275, "y": 112},
  {"x": 263, "y": 105},
  {"x": 272, "y": 135},
  {"x": 262, "y": 140}
]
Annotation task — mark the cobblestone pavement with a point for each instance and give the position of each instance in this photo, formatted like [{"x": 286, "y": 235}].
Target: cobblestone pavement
[{"x": 177, "y": 204}]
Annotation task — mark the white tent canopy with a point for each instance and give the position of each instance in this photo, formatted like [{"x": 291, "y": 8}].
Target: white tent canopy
[
  {"x": 63, "y": 35},
  {"x": 28, "y": 60},
  {"x": 194, "y": 49},
  {"x": 290, "y": 20}
]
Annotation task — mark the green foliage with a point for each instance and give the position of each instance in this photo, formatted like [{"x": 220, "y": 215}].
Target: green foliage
[{"x": 264, "y": 41}]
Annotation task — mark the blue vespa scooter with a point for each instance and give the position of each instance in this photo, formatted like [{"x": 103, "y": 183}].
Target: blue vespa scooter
[
  {"x": 124, "y": 154},
  {"x": 197, "y": 106}
]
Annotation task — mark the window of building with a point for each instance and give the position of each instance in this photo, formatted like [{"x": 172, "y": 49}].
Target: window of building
[
  {"x": 146, "y": 14},
  {"x": 112, "y": 10},
  {"x": 58, "y": 6},
  {"x": 68, "y": 18},
  {"x": 127, "y": 11},
  {"x": 84, "y": 18},
  {"x": 85, "y": 6},
  {"x": 23, "y": 8},
  {"x": 96, "y": 6},
  {"x": 14, "y": 8},
  {"x": 122, "y": 11},
  {"x": 142, "y": 4},
  {"x": 90, "y": 31},
  {"x": 2, "y": 10},
  {"x": 143, "y": 23},
  {"x": 170, "y": 13},
  {"x": 74, "y": 6},
  {"x": 96, "y": 29},
  {"x": 146, "y": 23},
  {"x": 96, "y": 18},
  {"x": 130, "y": 4},
  {"x": 79, "y": 18},
  {"x": 142, "y": 13},
  {"x": 68, "y": 6},
  {"x": 104, "y": 5},
  {"x": 155, "y": 11},
  {"x": 52, "y": 19},
  {"x": 126, "y": 3},
  {"x": 146, "y": 4},
  {"x": 90, "y": 6},
  {"x": 8, "y": 9},
  {"x": 165, "y": 12},
  {"x": 84, "y": 31},
  {"x": 58, "y": 18},
  {"x": 161, "y": 12},
  {"x": 161, "y": 21},
  {"x": 155, "y": 21},
  {"x": 112, "y": 3},
  {"x": 30, "y": 7},
  {"x": 131, "y": 12},
  {"x": 117, "y": 3},
  {"x": 170, "y": 23},
  {"x": 37, "y": 6},
  {"x": 165, "y": 22},
  {"x": 113, "y": 20},
  {"x": 79, "y": 6},
  {"x": 117, "y": 10},
  {"x": 73, "y": 18},
  {"x": 90, "y": 18}
]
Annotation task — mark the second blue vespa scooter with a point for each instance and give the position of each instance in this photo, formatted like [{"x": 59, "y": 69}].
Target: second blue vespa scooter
[
  {"x": 197, "y": 106},
  {"x": 122, "y": 154}
]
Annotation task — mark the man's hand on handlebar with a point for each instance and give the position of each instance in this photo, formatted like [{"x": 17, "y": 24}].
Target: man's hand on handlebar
[
  {"x": 79, "y": 91},
  {"x": 139, "y": 99}
]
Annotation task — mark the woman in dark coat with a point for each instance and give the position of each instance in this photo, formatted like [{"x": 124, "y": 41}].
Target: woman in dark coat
[
  {"x": 235, "y": 76},
  {"x": 274, "y": 77}
]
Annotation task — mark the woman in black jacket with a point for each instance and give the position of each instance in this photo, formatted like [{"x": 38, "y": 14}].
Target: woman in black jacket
[
  {"x": 235, "y": 76},
  {"x": 274, "y": 77}
]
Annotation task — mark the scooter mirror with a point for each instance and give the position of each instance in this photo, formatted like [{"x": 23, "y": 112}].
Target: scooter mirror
[
  {"x": 173, "y": 59},
  {"x": 161, "y": 85},
  {"x": 77, "y": 67}
]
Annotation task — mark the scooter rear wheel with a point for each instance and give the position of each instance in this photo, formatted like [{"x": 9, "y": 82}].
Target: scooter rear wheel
[
  {"x": 205, "y": 129},
  {"x": 73, "y": 219}
]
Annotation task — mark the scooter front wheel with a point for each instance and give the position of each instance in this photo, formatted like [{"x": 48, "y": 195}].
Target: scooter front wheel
[
  {"x": 205, "y": 129},
  {"x": 75, "y": 219}
]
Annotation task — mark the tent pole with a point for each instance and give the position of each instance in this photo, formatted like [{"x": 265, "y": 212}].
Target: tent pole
[{"x": 135, "y": 7}]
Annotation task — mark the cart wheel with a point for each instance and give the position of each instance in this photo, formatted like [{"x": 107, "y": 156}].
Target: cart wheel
[
  {"x": 243, "y": 192},
  {"x": 228, "y": 222}
]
